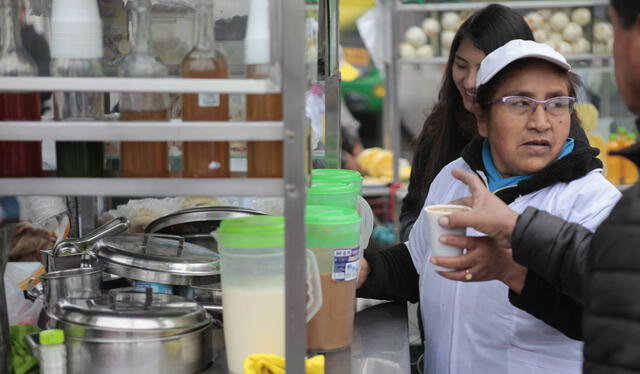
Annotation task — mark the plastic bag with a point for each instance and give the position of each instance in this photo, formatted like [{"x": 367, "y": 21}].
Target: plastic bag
[{"x": 21, "y": 310}]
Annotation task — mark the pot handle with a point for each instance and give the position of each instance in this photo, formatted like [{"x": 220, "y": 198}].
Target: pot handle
[
  {"x": 366, "y": 225},
  {"x": 32, "y": 293},
  {"x": 148, "y": 295},
  {"x": 72, "y": 246},
  {"x": 314, "y": 287}
]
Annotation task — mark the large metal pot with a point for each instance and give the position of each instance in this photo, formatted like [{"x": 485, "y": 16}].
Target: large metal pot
[
  {"x": 75, "y": 283},
  {"x": 196, "y": 224},
  {"x": 133, "y": 332}
]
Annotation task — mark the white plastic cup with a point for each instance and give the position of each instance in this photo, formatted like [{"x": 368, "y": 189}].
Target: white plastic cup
[{"x": 434, "y": 212}]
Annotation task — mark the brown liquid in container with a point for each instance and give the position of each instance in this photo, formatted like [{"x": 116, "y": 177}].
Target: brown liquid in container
[
  {"x": 205, "y": 159},
  {"x": 332, "y": 327},
  {"x": 144, "y": 159},
  {"x": 264, "y": 159},
  {"x": 19, "y": 159}
]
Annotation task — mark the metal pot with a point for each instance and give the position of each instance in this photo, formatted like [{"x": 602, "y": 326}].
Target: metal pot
[
  {"x": 133, "y": 332},
  {"x": 196, "y": 224},
  {"x": 156, "y": 258},
  {"x": 76, "y": 283}
]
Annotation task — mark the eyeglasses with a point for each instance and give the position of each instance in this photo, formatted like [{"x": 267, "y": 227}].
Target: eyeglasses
[{"x": 524, "y": 105}]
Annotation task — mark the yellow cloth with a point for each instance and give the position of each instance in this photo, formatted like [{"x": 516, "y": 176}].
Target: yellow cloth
[{"x": 274, "y": 364}]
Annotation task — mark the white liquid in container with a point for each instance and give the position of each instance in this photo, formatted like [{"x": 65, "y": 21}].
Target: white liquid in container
[{"x": 253, "y": 323}]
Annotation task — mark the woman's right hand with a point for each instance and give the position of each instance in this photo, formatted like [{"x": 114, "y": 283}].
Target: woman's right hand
[
  {"x": 490, "y": 215},
  {"x": 363, "y": 273}
]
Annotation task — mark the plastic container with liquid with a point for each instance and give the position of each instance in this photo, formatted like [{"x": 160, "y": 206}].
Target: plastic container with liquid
[
  {"x": 252, "y": 279},
  {"x": 53, "y": 353},
  {"x": 333, "y": 235},
  {"x": 205, "y": 159}
]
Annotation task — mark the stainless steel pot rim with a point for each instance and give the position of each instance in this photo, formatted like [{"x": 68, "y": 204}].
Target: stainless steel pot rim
[
  {"x": 128, "y": 312},
  {"x": 198, "y": 214},
  {"x": 163, "y": 277},
  {"x": 68, "y": 273},
  {"x": 159, "y": 254}
]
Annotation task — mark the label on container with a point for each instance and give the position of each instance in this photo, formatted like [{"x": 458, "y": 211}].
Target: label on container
[
  {"x": 156, "y": 287},
  {"x": 208, "y": 99},
  {"x": 346, "y": 264}
]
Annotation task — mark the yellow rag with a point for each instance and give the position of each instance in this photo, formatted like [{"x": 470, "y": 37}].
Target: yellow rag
[{"x": 274, "y": 364}]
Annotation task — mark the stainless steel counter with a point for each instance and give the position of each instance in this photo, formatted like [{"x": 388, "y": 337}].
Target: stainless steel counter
[{"x": 380, "y": 344}]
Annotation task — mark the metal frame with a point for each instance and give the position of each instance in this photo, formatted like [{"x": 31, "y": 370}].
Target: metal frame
[
  {"x": 391, "y": 130},
  {"x": 294, "y": 131}
]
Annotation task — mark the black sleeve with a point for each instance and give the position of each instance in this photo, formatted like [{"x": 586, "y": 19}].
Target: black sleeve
[
  {"x": 392, "y": 275},
  {"x": 553, "y": 248}
]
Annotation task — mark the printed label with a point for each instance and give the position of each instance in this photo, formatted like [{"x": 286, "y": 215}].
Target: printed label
[
  {"x": 346, "y": 264},
  {"x": 208, "y": 99}
]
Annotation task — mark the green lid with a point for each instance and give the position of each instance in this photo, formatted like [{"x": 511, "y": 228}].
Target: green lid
[
  {"x": 251, "y": 232},
  {"x": 613, "y": 137},
  {"x": 331, "y": 226},
  {"x": 632, "y": 136},
  {"x": 622, "y": 130},
  {"x": 50, "y": 337},
  {"x": 337, "y": 175},
  {"x": 332, "y": 189}
]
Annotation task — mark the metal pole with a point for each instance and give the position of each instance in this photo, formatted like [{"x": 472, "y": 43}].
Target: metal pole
[
  {"x": 295, "y": 177},
  {"x": 333, "y": 138},
  {"x": 6, "y": 237},
  {"x": 392, "y": 124}
]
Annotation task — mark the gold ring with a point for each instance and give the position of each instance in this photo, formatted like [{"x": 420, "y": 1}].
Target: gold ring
[{"x": 468, "y": 276}]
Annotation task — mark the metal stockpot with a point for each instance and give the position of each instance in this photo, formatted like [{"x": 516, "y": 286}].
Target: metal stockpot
[
  {"x": 133, "y": 332},
  {"x": 76, "y": 283},
  {"x": 196, "y": 224}
]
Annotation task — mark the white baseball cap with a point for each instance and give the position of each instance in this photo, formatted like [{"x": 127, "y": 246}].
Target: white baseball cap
[{"x": 515, "y": 50}]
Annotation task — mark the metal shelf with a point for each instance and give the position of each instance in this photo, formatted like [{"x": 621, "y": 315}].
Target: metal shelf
[
  {"x": 159, "y": 187},
  {"x": 119, "y": 84},
  {"x": 148, "y": 131},
  {"x": 402, "y": 7}
]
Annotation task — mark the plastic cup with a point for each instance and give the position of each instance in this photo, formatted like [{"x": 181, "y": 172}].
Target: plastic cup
[{"x": 434, "y": 212}]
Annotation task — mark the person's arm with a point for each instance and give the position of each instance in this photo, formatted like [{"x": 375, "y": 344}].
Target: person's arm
[
  {"x": 554, "y": 248},
  {"x": 389, "y": 274}
]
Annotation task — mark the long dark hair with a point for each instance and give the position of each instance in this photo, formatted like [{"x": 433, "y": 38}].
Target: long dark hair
[{"x": 487, "y": 29}]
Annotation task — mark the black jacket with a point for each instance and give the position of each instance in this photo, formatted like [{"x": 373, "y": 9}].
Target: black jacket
[
  {"x": 603, "y": 269},
  {"x": 393, "y": 275}
]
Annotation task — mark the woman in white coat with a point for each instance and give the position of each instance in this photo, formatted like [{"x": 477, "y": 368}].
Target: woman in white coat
[{"x": 525, "y": 97}]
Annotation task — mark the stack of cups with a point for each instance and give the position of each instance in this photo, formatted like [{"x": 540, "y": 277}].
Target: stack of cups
[
  {"x": 333, "y": 235},
  {"x": 77, "y": 29}
]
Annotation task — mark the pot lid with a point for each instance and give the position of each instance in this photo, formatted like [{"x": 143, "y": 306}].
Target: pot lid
[
  {"x": 197, "y": 220},
  {"x": 131, "y": 310},
  {"x": 167, "y": 254}
]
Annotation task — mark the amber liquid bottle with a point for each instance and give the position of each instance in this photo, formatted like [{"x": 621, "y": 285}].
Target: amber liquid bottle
[
  {"x": 205, "y": 159},
  {"x": 264, "y": 158},
  {"x": 143, "y": 159},
  {"x": 17, "y": 158}
]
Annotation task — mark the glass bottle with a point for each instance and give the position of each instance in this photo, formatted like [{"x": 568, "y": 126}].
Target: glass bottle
[
  {"x": 76, "y": 49},
  {"x": 205, "y": 159},
  {"x": 17, "y": 158},
  {"x": 143, "y": 159},
  {"x": 264, "y": 158}
]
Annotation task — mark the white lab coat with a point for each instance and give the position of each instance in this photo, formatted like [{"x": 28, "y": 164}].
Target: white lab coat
[{"x": 471, "y": 327}]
